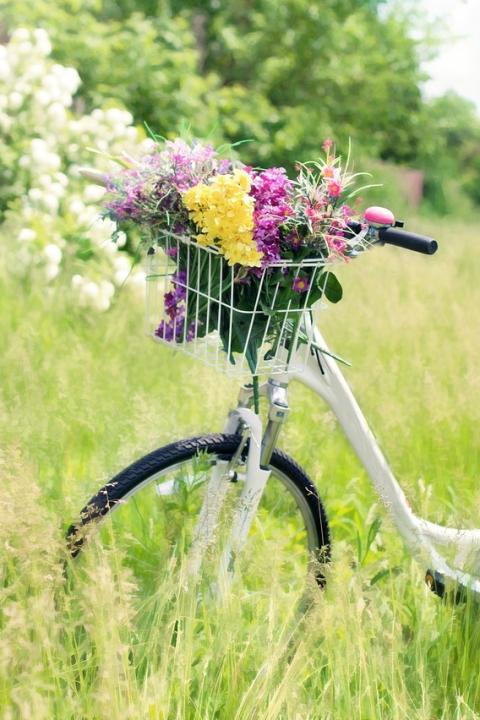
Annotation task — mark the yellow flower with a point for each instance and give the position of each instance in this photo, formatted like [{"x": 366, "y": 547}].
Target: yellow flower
[{"x": 222, "y": 209}]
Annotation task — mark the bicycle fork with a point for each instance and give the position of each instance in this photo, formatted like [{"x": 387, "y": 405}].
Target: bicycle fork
[{"x": 244, "y": 421}]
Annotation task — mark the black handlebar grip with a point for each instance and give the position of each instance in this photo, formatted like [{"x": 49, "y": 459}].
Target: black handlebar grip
[{"x": 408, "y": 240}]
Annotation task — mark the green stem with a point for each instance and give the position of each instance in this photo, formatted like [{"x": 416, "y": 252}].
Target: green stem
[{"x": 256, "y": 395}]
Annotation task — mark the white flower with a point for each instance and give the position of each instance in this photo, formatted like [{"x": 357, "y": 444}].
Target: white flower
[
  {"x": 61, "y": 178},
  {"x": 110, "y": 248},
  {"x": 107, "y": 289},
  {"x": 34, "y": 71},
  {"x": 44, "y": 180},
  {"x": 56, "y": 113},
  {"x": 51, "y": 271},
  {"x": 69, "y": 79},
  {"x": 102, "y": 230},
  {"x": 131, "y": 133},
  {"x": 15, "y": 100},
  {"x": 4, "y": 67},
  {"x": 42, "y": 97},
  {"x": 137, "y": 281},
  {"x": 147, "y": 146},
  {"x": 35, "y": 195},
  {"x": 6, "y": 122},
  {"x": 35, "y": 93},
  {"x": 121, "y": 239},
  {"x": 101, "y": 304},
  {"x": 56, "y": 189},
  {"x": 24, "y": 88},
  {"x": 28, "y": 213},
  {"x": 39, "y": 149},
  {"x": 50, "y": 203},
  {"x": 26, "y": 235},
  {"x": 118, "y": 117},
  {"x": 122, "y": 265},
  {"x": 24, "y": 48},
  {"x": 52, "y": 254},
  {"x": 89, "y": 217},
  {"x": 20, "y": 35},
  {"x": 93, "y": 193},
  {"x": 76, "y": 207},
  {"x": 42, "y": 41},
  {"x": 90, "y": 290},
  {"x": 53, "y": 161}
]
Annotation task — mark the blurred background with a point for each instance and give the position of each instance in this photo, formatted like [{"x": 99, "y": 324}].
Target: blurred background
[{"x": 395, "y": 77}]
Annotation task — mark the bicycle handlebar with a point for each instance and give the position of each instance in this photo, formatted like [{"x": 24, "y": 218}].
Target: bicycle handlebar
[
  {"x": 390, "y": 235},
  {"x": 409, "y": 241}
]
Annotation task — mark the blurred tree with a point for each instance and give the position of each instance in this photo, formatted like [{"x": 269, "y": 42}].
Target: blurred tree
[
  {"x": 284, "y": 74},
  {"x": 334, "y": 67},
  {"x": 450, "y": 149}
]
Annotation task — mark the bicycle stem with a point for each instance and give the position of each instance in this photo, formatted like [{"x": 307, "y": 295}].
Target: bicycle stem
[{"x": 278, "y": 410}]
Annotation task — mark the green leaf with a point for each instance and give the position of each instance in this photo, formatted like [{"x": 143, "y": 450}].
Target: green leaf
[{"x": 331, "y": 287}]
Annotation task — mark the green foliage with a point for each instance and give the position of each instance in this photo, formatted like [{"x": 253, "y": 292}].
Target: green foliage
[
  {"x": 285, "y": 75},
  {"x": 329, "y": 68},
  {"x": 451, "y": 149}
]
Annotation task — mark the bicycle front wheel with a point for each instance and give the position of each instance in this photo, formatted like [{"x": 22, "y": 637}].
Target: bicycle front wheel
[{"x": 149, "y": 512}]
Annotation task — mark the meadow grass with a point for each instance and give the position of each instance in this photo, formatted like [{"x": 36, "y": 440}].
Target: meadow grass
[{"x": 82, "y": 397}]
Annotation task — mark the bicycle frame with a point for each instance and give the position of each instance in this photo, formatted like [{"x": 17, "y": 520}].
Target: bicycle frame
[{"x": 327, "y": 381}]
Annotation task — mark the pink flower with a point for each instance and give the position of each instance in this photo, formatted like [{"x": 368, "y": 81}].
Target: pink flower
[
  {"x": 347, "y": 211},
  {"x": 336, "y": 243},
  {"x": 334, "y": 189},
  {"x": 310, "y": 211},
  {"x": 327, "y": 144},
  {"x": 328, "y": 171},
  {"x": 301, "y": 285}
]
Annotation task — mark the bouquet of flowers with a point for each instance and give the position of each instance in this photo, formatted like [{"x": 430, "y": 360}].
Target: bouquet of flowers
[{"x": 242, "y": 252}]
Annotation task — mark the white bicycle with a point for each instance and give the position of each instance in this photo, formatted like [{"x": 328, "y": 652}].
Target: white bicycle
[{"x": 233, "y": 503}]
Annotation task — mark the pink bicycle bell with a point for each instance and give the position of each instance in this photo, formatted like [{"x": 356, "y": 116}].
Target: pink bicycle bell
[{"x": 379, "y": 216}]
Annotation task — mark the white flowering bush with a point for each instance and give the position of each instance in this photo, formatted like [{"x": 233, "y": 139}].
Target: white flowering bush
[{"x": 50, "y": 224}]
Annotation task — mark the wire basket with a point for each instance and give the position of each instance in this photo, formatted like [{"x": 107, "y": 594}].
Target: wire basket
[{"x": 216, "y": 313}]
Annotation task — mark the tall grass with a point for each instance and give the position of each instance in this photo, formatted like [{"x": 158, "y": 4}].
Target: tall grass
[{"x": 81, "y": 398}]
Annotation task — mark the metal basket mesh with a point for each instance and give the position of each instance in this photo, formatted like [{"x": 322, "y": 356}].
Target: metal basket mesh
[{"x": 200, "y": 305}]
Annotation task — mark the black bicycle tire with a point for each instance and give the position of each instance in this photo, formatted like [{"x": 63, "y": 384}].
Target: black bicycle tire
[{"x": 160, "y": 459}]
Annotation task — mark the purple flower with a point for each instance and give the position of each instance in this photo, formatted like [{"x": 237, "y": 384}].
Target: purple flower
[
  {"x": 150, "y": 191},
  {"x": 271, "y": 190},
  {"x": 294, "y": 241},
  {"x": 174, "y": 330},
  {"x": 179, "y": 279},
  {"x": 301, "y": 284},
  {"x": 174, "y": 306}
]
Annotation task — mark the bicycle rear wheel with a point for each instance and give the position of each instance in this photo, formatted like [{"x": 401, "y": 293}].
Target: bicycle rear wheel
[{"x": 150, "y": 509}]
